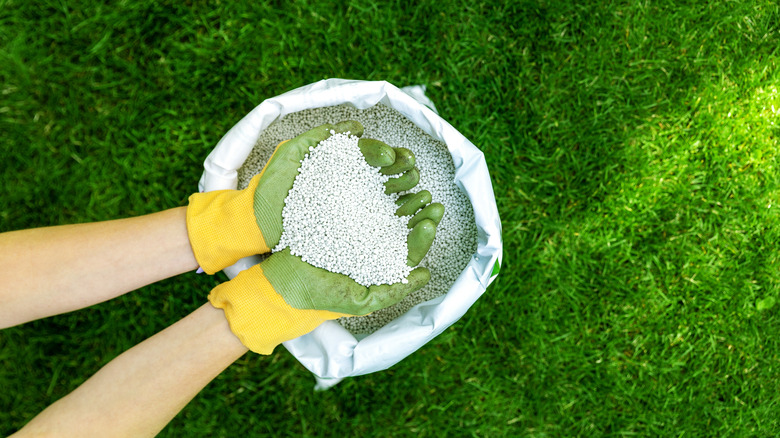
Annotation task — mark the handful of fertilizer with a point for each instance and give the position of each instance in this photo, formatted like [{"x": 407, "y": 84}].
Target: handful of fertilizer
[{"x": 342, "y": 216}]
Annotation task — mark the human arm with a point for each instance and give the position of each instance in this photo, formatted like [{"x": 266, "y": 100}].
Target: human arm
[
  {"x": 141, "y": 390},
  {"x": 53, "y": 270}
]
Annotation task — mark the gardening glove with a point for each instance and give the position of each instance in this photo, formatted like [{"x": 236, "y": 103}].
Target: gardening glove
[
  {"x": 284, "y": 297},
  {"x": 260, "y": 315},
  {"x": 227, "y": 225}
]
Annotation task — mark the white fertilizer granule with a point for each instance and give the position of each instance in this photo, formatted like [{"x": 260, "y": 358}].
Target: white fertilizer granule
[
  {"x": 456, "y": 234},
  {"x": 338, "y": 217}
]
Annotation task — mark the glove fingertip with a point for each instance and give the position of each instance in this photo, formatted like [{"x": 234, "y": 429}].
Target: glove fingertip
[
  {"x": 419, "y": 241},
  {"x": 376, "y": 153},
  {"x": 352, "y": 126},
  {"x": 418, "y": 278},
  {"x": 413, "y": 203}
]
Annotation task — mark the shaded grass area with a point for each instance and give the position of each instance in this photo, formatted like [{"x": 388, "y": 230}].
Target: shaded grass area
[{"x": 633, "y": 149}]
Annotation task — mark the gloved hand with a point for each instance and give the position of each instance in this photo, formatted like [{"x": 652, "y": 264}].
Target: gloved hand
[
  {"x": 284, "y": 297},
  {"x": 260, "y": 317},
  {"x": 260, "y": 314},
  {"x": 227, "y": 225}
]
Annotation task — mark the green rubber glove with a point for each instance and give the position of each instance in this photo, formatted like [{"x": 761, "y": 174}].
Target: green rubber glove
[{"x": 304, "y": 286}]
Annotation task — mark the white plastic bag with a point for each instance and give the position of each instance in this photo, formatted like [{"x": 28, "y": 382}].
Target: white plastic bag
[{"x": 330, "y": 352}]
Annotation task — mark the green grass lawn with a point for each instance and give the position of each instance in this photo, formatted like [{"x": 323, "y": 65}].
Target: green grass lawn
[{"x": 633, "y": 147}]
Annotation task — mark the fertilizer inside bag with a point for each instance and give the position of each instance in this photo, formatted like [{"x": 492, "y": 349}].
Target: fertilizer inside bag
[{"x": 466, "y": 253}]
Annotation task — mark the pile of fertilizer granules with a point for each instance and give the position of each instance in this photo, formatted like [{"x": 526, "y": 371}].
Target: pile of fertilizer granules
[
  {"x": 337, "y": 216},
  {"x": 456, "y": 234}
]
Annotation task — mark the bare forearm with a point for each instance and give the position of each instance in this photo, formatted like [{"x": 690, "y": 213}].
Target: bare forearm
[
  {"x": 47, "y": 271},
  {"x": 140, "y": 391}
]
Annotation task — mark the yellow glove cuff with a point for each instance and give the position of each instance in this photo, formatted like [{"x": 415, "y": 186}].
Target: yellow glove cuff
[
  {"x": 222, "y": 227},
  {"x": 259, "y": 316}
]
